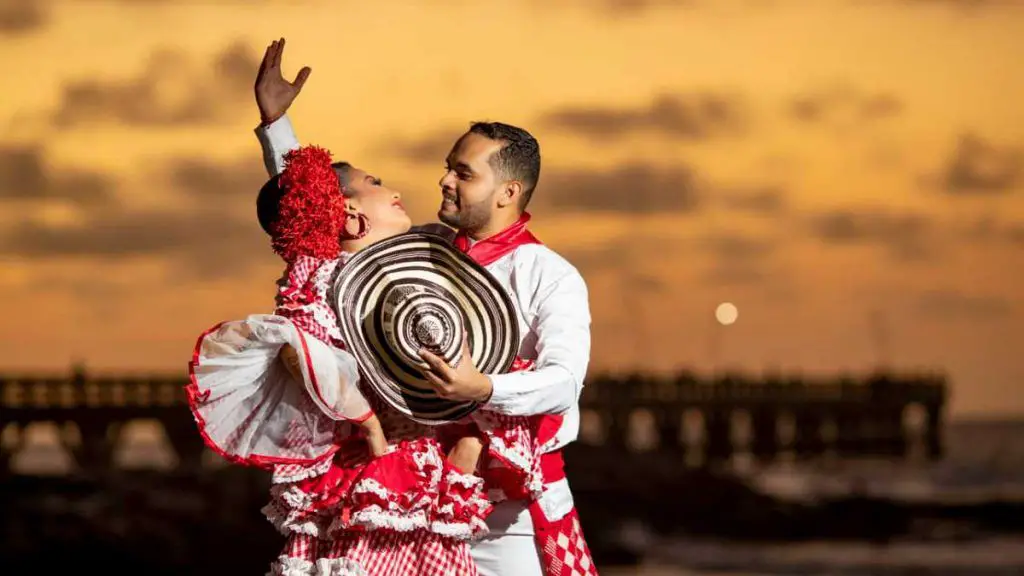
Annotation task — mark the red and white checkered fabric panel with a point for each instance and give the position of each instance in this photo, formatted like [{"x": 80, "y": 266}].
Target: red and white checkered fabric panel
[
  {"x": 417, "y": 553},
  {"x": 565, "y": 551}
]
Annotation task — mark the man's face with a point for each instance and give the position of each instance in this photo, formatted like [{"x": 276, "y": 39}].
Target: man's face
[
  {"x": 381, "y": 205},
  {"x": 470, "y": 185}
]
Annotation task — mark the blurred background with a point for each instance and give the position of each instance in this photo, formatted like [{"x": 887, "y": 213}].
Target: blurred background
[{"x": 801, "y": 223}]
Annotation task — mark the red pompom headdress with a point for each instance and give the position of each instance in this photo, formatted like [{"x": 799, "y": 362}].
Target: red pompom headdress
[{"x": 311, "y": 210}]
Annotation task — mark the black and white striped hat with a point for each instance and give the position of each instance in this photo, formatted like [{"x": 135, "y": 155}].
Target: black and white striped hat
[{"x": 417, "y": 291}]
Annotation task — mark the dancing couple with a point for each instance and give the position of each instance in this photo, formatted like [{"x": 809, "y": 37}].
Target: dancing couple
[{"x": 407, "y": 433}]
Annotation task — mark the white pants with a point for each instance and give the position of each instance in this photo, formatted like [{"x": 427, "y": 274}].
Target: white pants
[{"x": 509, "y": 550}]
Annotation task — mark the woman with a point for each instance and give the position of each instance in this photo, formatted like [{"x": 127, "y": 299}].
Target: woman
[{"x": 344, "y": 508}]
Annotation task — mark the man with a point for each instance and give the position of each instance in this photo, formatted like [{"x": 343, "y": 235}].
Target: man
[{"x": 490, "y": 175}]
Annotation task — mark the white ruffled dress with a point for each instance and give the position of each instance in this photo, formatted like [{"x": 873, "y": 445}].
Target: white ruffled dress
[{"x": 341, "y": 512}]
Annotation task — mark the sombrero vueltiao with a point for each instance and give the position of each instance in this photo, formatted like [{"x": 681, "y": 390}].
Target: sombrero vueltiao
[{"x": 418, "y": 291}]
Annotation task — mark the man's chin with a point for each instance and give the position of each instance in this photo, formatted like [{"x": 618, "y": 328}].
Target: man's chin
[{"x": 448, "y": 218}]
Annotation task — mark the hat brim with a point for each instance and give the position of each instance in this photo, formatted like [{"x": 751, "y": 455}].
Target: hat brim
[{"x": 429, "y": 262}]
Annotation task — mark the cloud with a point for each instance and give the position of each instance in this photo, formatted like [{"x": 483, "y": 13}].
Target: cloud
[
  {"x": 989, "y": 229},
  {"x": 235, "y": 68},
  {"x": 115, "y": 234},
  {"x": 22, "y": 16},
  {"x": 761, "y": 200},
  {"x": 632, "y": 188},
  {"x": 735, "y": 274},
  {"x": 907, "y": 236},
  {"x": 607, "y": 257},
  {"x": 844, "y": 106},
  {"x": 910, "y": 236},
  {"x": 615, "y": 8},
  {"x": 728, "y": 257},
  {"x": 736, "y": 246},
  {"x": 196, "y": 244},
  {"x": 689, "y": 117},
  {"x": 960, "y": 4},
  {"x": 952, "y": 304},
  {"x": 630, "y": 253},
  {"x": 231, "y": 184},
  {"x": 1015, "y": 234},
  {"x": 977, "y": 167},
  {"x": 211, "y": 231},
  {"x": 25, "y": 175},
  {"x": 737, "y": 258},
  {"x": 682, "y": 117},
  {"x": 171, "y": 90},
  {"x": 629, "y": 7},
  {"x": 649, "y": 284},
  {"x": 432, "y": 148}
]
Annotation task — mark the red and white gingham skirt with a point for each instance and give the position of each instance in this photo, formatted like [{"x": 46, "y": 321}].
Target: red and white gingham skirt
[{"x": 376, "y": 553}]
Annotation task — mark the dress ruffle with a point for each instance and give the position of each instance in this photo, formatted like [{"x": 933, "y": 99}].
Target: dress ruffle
[
  {"x": 309, "y": 506},
  {"x": 248, "y": 407},
  {"x": 410, "y": 488},
  {"x": 414, "y": 487},
  {"x": 380, "y": 516},
  {"x": 511, "y": 464},
  {"x": 409, "y": 507},
  {"x": 309, "y": 556}
]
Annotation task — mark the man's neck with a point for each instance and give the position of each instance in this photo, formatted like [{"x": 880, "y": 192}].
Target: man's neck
[{"x": 495, "y": 226}]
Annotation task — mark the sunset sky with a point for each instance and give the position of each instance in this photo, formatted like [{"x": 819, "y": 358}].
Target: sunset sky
[{"x": 849, "y": 173}]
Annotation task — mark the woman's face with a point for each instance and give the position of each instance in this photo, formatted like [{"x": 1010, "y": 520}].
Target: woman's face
[{"x": 382, "y": 206}]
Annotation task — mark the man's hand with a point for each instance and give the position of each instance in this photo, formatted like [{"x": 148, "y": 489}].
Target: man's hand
[
  {"x": 461, "y": 384},
  {"x": 274, "y": 94}
]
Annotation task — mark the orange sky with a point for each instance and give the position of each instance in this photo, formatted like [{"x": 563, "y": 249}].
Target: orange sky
[{"x": 836, "y": 168}]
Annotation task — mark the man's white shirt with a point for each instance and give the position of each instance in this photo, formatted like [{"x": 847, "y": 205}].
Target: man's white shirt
[{"x": 553, "y": 309}]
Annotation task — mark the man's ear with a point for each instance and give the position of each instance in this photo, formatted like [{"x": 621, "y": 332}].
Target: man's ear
[{"x": 511, "y": 193}]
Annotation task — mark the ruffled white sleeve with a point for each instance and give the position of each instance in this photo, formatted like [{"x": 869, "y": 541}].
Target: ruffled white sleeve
[{"x": 248, "y": 407}]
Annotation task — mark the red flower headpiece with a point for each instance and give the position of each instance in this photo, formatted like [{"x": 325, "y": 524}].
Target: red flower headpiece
[{"x": 311, "y": 211}]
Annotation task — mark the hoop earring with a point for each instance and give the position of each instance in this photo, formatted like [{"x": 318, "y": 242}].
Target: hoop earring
[{"x": 363, "y": 230}]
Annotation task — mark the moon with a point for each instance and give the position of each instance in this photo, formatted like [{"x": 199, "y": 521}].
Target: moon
[{"x": 726, "y": 313}]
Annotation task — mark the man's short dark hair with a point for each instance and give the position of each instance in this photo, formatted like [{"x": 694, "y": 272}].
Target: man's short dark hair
[{"x": 518, "y": 159}]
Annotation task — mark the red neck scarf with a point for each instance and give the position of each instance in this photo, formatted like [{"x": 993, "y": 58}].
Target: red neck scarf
[{"x": 491, "y": 249}]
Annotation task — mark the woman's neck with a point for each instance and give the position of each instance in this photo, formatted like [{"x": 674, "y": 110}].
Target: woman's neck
[
  {"x": 357, "y": 244},
  {"x": 353, "y": 246}
]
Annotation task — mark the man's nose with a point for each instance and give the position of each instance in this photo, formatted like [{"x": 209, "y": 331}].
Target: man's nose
[{"x": 445, "y": 180}]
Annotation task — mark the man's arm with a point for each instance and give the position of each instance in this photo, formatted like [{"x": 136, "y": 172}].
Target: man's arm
[
  {"x": 276, "y": 139},
  {"x": 562, "y": 324}
]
